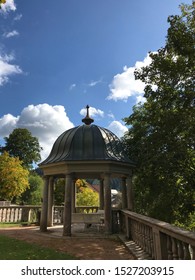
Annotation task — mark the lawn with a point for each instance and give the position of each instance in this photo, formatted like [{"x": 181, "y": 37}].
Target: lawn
[{"x": 13, "y": 249}]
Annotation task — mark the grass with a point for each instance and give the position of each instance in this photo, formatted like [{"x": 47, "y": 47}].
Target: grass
[
  {"x": 6, "y": 225},
  {"x": 13, "y": 249}
]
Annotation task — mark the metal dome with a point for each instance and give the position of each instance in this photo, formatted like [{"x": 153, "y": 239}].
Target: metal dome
[{"x": 87, "y": 142}]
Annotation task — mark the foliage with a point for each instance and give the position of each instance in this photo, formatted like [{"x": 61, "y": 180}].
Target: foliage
[
  {"x": 22, "y": 144},
  {"x": 59, "y": 191},
  {"x": 161, "y": 137},
  {"x": 84, "y": 197},
  {"x": 87, "y": 197},
  {"x": 32, "y": 196},
  {"x": 13, "y": 177},
  {"x": 13, "y": 249}
]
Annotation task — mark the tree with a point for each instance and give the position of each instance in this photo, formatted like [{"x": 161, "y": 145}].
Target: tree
[
  {"x": 33, "y": 194},
  {"x": 161, "y": 137},
  {"x": 87, "y": 197},
  {"x": 22, "y": 144},
  {"x": 84, "y": 195},
  {"x": 13, "y": 177}
]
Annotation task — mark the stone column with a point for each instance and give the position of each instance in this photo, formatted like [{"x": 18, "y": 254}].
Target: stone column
[
  {"x": 107, "y": 206},
  {"x": 73, "y": 196},
  {"x": 130, "y": 199},
  {"x": 43, "y": 222},
  {"x": 50, "y": 202},
  {"x": 124, "y": 193},
  {"x": 101, "y": 194},
  {"x": 67, "y": 206}
]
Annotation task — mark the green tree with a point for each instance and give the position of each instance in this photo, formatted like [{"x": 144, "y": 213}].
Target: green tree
[
  {"x": 161, "y": 137},
  {"x": 33, "y": 194},
  {"x": 13, "y": 177},
  {"x": 84, "y": 197},
  {"x": 87, "y": 197},
  {"x": 59, "y": 191},
  {"x": 22, "y": 144}
]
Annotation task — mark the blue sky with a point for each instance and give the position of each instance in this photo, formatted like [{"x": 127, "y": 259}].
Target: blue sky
[{"x": 58, "y": 56}]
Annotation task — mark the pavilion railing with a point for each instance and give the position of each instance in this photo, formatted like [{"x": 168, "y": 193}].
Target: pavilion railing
[{"x": 160, "y": 240}]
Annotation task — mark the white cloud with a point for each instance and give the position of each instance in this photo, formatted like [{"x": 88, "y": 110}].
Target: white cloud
[
  {"x": 93, "y": 112},
  {"x": 124, "y": 84},
  {"x": 7, "y": 69},
  {"x": 11, "y": 34},
  {"x": 117, "y": 128},
  {"x": 46, "y": 122},
  {"x": 7, "y": 124},
  {"x": 8, "y": 6}
]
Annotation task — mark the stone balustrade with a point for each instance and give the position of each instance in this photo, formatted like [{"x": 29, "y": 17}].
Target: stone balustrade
[
  {"x": 19, "y": 213},
  {"x": 158, "y": 239},
  {"x": 31, "y": 213}
]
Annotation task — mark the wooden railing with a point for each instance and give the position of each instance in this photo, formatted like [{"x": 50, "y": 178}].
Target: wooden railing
[
  {"x": 160, "y": 240},
  {"x": 31, "y": 213}
]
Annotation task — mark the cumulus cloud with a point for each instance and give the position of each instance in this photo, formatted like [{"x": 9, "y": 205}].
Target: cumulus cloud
[
  {"x": 93, "y": 112},
  {"x": 46, "y": 122},
  {"x": 11, "y": 34},
  {"x": 7, "y": 69},
  {"x": 124, "y": 84},
  {"x": 8, "y": 6},
  {"x": 7, "y": 124},
  {"x": 117, "y": 128}
]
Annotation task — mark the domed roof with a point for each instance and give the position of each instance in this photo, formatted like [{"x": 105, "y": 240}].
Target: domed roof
[{"x": 87, "y": 142}]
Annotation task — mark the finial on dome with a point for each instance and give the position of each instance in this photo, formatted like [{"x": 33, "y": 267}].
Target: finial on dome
[{"x": 87, "y": 120}]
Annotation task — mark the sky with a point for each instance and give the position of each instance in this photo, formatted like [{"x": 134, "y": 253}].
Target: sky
[{"x": 56, "y": 57}]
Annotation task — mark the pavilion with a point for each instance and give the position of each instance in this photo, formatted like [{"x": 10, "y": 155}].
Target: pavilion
[{"x": 86, "y": 151}]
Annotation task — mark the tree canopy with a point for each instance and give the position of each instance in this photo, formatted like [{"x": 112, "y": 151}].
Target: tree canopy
[
  {"x": 20, "y": 143},
  {"x": 13, "y": 177},
  {"x": 161, "y": 135}
]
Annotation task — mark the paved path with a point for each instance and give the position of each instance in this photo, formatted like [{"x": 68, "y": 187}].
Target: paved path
[{"x": 85, "y": 244}]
